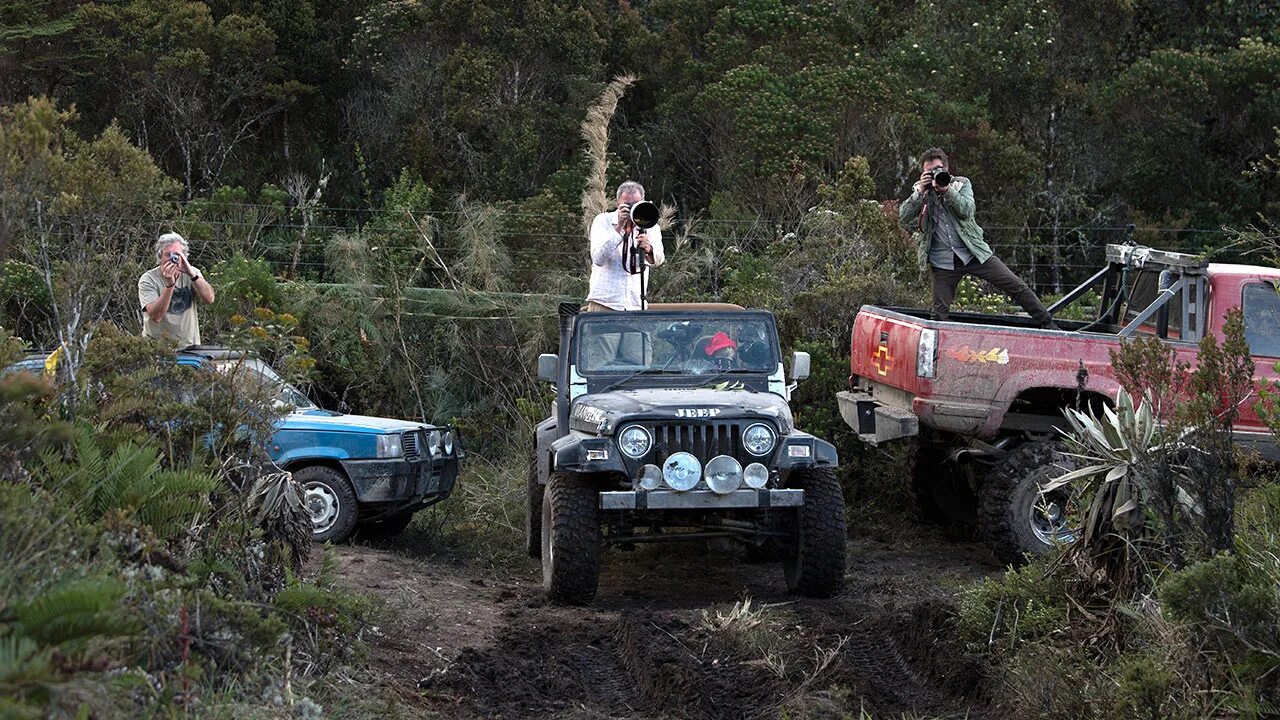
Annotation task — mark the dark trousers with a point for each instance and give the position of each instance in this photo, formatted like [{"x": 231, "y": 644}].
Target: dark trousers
[{"x": 993, "y": 271}]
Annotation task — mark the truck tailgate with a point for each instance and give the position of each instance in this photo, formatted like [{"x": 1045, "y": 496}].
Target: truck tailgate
[{"x": 883, "y": 349}]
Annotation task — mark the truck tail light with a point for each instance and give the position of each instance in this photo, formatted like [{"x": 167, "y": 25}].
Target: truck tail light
[{"x": 926, "y": 351}]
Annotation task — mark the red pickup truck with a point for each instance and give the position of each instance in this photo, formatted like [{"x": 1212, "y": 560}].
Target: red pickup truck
[{"x": 981, "y": 396}]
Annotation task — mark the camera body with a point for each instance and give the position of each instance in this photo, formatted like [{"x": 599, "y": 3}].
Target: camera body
[{"x": 941, "y": 177}]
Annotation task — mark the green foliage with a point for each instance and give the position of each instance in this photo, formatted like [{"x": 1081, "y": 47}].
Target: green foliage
[
  {"x": 128, "y": 478},
  {"x": 1025, "y": 605}
]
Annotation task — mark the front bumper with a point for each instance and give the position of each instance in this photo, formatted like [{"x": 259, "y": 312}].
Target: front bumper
[
  {"x": 699, "y": 499},
  {"x": 401, "y": 481}
]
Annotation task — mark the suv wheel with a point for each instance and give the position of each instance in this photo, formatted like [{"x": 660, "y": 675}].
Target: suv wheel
[
  {"x": 533, "y": 511},
  {"x": 570, "y": 539},
  {"x": 815, "y": 564},
  {"x": 330, "y": 502},
  {"x": 1016, "y": 518}
]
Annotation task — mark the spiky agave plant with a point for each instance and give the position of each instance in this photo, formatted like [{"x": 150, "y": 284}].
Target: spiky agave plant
[{"x": 1121, "y": 452}]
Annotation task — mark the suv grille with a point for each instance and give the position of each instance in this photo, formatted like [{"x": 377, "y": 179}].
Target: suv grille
[
  {"x": 703, "y": 441},
  {"x": 410, "y": 443}
]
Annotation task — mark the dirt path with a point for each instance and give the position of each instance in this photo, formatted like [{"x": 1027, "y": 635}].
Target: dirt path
[{"x": 663, "y": 641}]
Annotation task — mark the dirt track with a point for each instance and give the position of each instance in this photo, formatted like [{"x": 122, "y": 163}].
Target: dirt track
[{"x": 465, "y": 644}]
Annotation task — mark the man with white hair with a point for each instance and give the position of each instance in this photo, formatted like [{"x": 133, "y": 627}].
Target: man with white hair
[
  {"x": 168, "y": 293},
  {"x": 613, "y": 234}
]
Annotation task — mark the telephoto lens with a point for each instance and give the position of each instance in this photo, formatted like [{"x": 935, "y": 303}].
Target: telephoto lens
[{"x": 941, "y": 177}]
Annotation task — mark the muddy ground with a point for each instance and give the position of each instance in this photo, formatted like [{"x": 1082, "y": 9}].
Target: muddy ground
[{"x": 671, "y": 636}]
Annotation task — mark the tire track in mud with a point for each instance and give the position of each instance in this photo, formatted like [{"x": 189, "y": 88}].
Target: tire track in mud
[{"x": 641, "y": 651}]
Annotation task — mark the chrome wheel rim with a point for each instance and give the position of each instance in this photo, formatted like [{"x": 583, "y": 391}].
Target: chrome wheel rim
[
  {"x": 322, "y": 505},
  {"x": 1049, "y": 519}
]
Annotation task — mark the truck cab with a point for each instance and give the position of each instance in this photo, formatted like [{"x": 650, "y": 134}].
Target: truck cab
[{"x": 672, "y": 423}]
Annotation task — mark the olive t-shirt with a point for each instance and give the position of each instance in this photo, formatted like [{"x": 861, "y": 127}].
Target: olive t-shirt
[{"x": 180, "y": 322}]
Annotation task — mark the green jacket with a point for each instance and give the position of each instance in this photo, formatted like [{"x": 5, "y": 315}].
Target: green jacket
[{"x": 959, "y": 200}]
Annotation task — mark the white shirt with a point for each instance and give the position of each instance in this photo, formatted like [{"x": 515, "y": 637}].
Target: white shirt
[{"x": 611, "y": 284}]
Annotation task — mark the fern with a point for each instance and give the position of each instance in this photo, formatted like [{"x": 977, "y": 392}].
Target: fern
[
  {"x": 22, "y": 662},
  {"x": 76, "y": 612}
]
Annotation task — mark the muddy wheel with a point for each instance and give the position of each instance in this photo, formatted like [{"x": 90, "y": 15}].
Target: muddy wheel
[
  {"x": 1015, "y": 517},
  {"x": 815, "y": 564},
  {"x": 386, "y": 527},
  {"x": 570, "y": 539},
  {"x": 533, "y": 511},
  {"x": 330, "y": 501}
]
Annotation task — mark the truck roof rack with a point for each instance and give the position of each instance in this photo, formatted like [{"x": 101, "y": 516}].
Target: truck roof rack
[{"x": 1141, "y": 256}]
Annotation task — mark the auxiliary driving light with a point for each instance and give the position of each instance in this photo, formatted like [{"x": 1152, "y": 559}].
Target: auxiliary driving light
[
  {"x": 650, "y": 477},
  {"x": 433, "y": 442},
  {"x": 682, "y": 471},
  {"x": 724, "y": 474},
  {"x": 756, "y": 476}
]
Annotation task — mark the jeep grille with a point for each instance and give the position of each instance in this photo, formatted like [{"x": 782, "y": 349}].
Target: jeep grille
[{"x": 703, "y": 441}]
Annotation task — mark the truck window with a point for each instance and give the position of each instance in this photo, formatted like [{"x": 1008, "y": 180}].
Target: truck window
[
  {"x": 1262, "y": 319},
  {"x": 1143, "y": 291}
]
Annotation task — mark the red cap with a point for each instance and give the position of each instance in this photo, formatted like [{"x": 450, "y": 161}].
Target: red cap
[{"x": 719, "y": 341}]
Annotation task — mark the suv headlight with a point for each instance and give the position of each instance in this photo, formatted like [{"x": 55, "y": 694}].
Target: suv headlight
[
  {"x": 389, "y": 446},
  {"x": 447, "y": 442},
  {"x": 635, "y": 441},
  {"x": 925, "y": 353},
  {"x": 433, "y": 442},
  {"x": 759, "y": 439}
]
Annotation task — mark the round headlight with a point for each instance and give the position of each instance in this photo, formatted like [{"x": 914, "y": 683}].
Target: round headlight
[
  {"x": 634, "y": 441},
  {"x": 433, "y": 442},
  {"x": 650, "y": 477},
  {"x": 758, "y": 439},
  {"x": 447, "y": 443},
  {"x": 756, "y": 476},
  {"x": 724, "y": 474},
  {"x": 681, "y": 471}
]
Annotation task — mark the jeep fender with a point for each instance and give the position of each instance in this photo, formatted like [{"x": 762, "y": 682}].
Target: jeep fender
[
  {"x": 544, "y": 436},
  {"x": 570, "y": 454},
  {"x": 821, "y": 454}
]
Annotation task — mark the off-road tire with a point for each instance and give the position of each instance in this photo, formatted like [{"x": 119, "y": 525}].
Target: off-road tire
[
  {"x": 815, "y": 564},
  {"x": 386, "y": 527},
  {"x": 335, "y": 484},
  {"x": 570, "y": 539},
  {"x": 1011, "y": 490},
  {"x": 533, "y": 512}
]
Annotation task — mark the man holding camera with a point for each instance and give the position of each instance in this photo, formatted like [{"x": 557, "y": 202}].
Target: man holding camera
[
  {"x": 617, "y": 274},
  {"x": 168, "y": 293},
  {"x": 950, "y": 243}
]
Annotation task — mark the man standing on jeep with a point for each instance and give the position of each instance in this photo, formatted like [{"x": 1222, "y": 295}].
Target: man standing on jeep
[
  {"x": 950, "y": 242},
  {"x": 613, "y": 235},
  {"x": 168, "y": 292}
]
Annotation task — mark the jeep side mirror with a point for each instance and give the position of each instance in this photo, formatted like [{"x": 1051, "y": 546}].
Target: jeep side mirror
[
  {"x": 799, "y": 365},
  {"x": 547, "y": 364}
]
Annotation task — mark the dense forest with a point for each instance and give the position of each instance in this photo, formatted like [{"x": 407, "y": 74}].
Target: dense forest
[{"x": 389, "y": 197}]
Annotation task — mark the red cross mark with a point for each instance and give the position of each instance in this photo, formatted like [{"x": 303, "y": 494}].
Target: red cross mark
[{"x": 882, "y": 360}]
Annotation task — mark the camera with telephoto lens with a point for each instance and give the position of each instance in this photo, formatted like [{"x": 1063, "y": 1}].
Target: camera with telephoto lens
[
  {"x": 941, "y": 177},
  {"x": 173, "y": 258}
]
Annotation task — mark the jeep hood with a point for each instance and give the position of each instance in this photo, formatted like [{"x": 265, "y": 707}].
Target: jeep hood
[
  {"x": 602, "y": 413},
  {"x": 326, "y": 421}
]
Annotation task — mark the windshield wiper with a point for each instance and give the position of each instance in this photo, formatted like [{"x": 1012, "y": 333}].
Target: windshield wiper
[
  {"x": 634, "y": 375},
  {"x": 723, "y": 373}
]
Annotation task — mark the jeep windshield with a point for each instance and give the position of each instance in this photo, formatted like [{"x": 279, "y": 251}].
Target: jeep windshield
[{"x": 642, "y": 343}]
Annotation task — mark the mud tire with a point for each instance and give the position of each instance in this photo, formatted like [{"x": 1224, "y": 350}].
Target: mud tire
[
  {"x": 533, "y": 512},
  {"x": 334, "y": 485},
  {"x": 815, "y": 565},
  {"x": 1010, "y": 493},
  {"x": 570, "y": 539}
]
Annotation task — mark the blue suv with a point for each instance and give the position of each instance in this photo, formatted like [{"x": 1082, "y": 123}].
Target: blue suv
[{"x": 357, "y": 471}]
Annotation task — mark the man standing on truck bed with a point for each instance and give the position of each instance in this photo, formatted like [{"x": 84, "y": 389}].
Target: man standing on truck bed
[{"x": 950, "y": 244}]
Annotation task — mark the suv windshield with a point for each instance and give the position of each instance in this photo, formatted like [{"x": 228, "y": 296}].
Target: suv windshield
[
  {"x": 258, "y": 372},
  {"x": 632, "y": 342}
]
